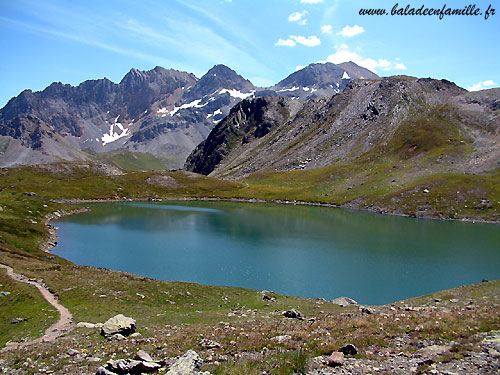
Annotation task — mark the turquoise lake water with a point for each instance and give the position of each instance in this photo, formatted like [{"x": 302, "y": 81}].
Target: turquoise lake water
[{"x": 296, "y": 250}]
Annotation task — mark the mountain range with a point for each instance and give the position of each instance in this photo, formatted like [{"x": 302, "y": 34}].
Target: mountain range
[
  {"x": 164, "y": 112},
  {"x": 420, "y": 126}
]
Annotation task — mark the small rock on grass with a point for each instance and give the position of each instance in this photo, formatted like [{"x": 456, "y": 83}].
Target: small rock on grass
[
  {"x": 18, "y": 320},
  {"x": 102, "y": 371},
  {"x": 209, "y": 344},
  {"x": 336, "y": 359},
  {"x": 123, "y": 366},
  {"x": 367, "y": 310},
  {"x": 72, "y": 352},
  {"x": 294, "y": 314},
  {"x": 147, "y": 367},
  {"x": 142, "y": 355},
  {"x": 281, "y": 338},
  {"x": 349, "y": 349},
  {"x": 343, "y": 301},
  {"x": 117, "y": 337},
  {"x": 431, "y": 352}
]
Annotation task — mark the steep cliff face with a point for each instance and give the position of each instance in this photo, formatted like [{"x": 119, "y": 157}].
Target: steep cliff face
[
  {"x": 248, "y": 121},
  {"x": 404, "y": 117}
]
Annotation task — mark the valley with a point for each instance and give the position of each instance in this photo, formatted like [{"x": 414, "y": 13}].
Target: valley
[{"x": 421, "y": 148}]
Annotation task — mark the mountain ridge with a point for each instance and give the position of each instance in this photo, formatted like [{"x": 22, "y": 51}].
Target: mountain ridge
[
  {"x": 403, "y": 118},
  {"x": 165, "y": 112}
]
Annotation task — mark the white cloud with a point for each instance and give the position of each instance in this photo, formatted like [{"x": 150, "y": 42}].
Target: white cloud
[
  {"x": 299, "y": 67},
  {"x": 285, "y": 42},
  {"x": 298, "y": 17},
  {"x": 293, "y": 40},
  {"x": 350, "y": 31},
  {"x": 326, "y": 29},
  {"x": 310, "y": 41},
  {"x": 343, "y": 54},
  {"x": 311, "y": 1},
  {"x": 481, "y": 85}
]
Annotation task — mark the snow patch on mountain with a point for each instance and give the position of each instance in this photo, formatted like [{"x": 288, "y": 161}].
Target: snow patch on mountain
[
  {"x": 236, "y": 93},
  {"x": 294, "y": 88},
  {"x": 113, "y": 135},
  {"x": 193, "y": 104}
]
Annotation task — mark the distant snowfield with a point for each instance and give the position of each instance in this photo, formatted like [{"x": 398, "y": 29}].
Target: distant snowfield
[
  {"x": 236, "y": 93},
  {"x": 294, "y": 88},
  {"x": 193, "y": 104},
  {"x": 113, "y": 135}
]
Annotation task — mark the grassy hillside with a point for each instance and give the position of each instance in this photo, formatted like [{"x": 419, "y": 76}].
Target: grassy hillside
[{"x": 128, "y": 160}]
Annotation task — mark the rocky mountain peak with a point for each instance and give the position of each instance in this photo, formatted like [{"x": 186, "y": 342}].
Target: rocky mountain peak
[
  {"x": 320, "y": 79},
  {"x": 56, "y": 89},
  {"x": 219, "y": 77},
  {"x": 356, "y": 71},
  {"x": 133, "y": 78},
  {"x": 313, "y": 75}
]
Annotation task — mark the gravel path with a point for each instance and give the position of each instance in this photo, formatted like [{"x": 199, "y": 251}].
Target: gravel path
[{"x": 65, "y": 322}]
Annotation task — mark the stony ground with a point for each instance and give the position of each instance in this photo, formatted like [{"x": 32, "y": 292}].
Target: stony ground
[{"x": 450, "y": 332}]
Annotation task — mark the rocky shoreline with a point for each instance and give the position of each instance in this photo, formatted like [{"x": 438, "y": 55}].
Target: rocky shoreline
[{"x": 279, "y": 201}]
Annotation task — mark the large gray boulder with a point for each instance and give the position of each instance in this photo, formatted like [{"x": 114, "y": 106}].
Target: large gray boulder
[
  {"x": 189, "y": 364},
  {"x": 118, "y": 324}
]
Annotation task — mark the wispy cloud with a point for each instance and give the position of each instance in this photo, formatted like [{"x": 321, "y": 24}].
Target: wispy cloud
[
  {"x": 293, "y": 40},
  {"x": 88, "y": 41},
  {"x": 151, "y": 34},
  {"x": 311, "y": 1},
  {"x": 326, "y": 29},
  {"x": 343, "y": 54},
  {"x": 350, "y": 31},
  {"x": 298, "y": 17},
  {"x": 481, "y": 85},
  {"x": 231, "y": 28}
]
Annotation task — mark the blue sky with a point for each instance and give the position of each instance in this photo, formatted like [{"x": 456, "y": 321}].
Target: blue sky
[{"x": 263, "y": 40}]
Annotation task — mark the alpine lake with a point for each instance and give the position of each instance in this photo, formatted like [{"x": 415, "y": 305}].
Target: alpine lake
[{"x": 308, "y": 251}]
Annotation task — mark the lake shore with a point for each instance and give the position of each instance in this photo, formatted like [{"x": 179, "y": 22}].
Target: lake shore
[
  {"x": 328, "y": 243},
  {"x": 280, "y": 201}
]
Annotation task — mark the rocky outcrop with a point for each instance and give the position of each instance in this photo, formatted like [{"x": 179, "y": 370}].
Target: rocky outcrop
[{"x": 249, "y": 120}]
